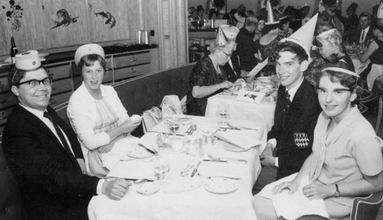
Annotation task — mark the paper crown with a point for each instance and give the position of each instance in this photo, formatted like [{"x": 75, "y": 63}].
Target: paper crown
[
  {"x": 304, "y": 35},
  {"x": 87, "y": 49},
  {"x": 341, "y": 70},
  {"x": 28, "y": 60},
  {"x": 270, "y": 14},
  {"x": 225, "y": 34}
]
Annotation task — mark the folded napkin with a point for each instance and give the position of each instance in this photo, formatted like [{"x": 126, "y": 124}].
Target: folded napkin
[
  {"x": 250, "y": 96},
  {"x": 245, "y": 139},
  {"x": 293, "y": 206}
]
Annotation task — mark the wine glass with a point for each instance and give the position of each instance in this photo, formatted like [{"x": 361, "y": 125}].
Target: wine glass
[
  {"x": 161, "y": 168},
  {"x": 222, "y": 112},
  {"x": 173, "y": 126}
]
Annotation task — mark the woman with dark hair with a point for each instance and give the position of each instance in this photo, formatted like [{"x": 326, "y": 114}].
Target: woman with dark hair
[
  {"x": 95, "y": 110},
  {"x": 346, "y": 161}
]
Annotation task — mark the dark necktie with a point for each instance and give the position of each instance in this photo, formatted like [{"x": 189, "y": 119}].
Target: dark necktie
[
  {"x": 287, "y": 102},
  {"x": 362, "y": 36},
  {"x": 59, "y": 132}
]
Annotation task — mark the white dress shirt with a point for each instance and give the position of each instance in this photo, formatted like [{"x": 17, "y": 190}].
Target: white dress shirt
[{"x": 363, "y": 35}]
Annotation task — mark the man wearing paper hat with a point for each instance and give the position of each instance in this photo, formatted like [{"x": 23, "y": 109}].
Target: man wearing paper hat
[
  {"x": 43, "y": 151},
  {"x": 297, "y": 107}
]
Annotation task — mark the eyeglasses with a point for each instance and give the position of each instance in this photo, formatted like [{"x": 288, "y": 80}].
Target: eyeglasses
[{"x": 47, "y": 81}]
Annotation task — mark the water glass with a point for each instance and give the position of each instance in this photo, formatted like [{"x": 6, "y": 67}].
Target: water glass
[
  {"x": 222, "y": 112},
  {"x": 161, "y": 168}
]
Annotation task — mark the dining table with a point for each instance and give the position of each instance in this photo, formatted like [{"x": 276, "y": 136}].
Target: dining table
[
  {"x": 205, "y": 177},
  {"x": 241, "y": 110}
]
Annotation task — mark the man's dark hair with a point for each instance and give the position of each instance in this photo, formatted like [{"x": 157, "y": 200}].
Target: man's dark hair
[
  {"x": 288, "y": 46},
  {"x": 365, "y": 14}
]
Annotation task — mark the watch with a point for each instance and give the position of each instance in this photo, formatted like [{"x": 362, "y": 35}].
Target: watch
[{"x": 337, "y": 193}]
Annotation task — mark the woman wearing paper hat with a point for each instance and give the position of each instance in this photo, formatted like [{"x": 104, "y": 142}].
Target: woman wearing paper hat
[
  {"x": 207, "y": 77},
  {"x": 346, "y": 161},
  {"x": 95, "y": 110}
]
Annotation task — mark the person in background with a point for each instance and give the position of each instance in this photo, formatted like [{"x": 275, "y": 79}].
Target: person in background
[
  {"x": 240, "y": 16},
  {"x": 207, "y": 77},
  {"x": 364, "y": 34},
  {"x": 246, "y": 47},
  {"x": 375, "y": 10},
  {"x": 332, "y": 14},
  {"x": 351, "y": 22},
  {"x": 95, "y": 110},
  {"x": 259, "y": 30},
  {"x": 43, "y": 151},
  {"x": 346, "y": 161},
  {"x": 297, "y": 108}
]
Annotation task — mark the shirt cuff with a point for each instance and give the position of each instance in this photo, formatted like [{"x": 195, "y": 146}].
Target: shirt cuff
[
  {"x": 276, "y": 162},
  {"x": 273, "y": 142},
  {"x": 99, "y": 186}
]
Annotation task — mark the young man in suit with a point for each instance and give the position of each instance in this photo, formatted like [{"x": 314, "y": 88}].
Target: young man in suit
[
  {"x": 364, "y": 34},
  {"x": 43, "y": 151},
  {"x": 297, "y": 108}
]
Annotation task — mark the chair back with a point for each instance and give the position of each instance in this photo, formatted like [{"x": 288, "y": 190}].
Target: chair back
[
  {"x": 10, "y": 200},
  {"x": 151, "y": 118},
  {"x": 366, "y": 207}
]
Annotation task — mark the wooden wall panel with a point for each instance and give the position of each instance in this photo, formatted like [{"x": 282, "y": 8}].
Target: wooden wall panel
[
  {"x": 126, "y": 14},
  {"x": 73, "y": 32}
]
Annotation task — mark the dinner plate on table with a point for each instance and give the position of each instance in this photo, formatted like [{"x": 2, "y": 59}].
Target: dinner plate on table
[
  {"x": 221, "y": 185},
  {"x": 147, "y": 188},
  {"x": 137, "y": 152}
]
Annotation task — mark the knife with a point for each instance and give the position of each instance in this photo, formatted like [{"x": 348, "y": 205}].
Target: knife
[
  {"x": 195, "y": 169},
  {"x": 147, "y": 149}
]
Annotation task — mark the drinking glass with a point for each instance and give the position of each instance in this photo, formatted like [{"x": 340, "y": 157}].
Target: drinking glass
[
  {"x": 161, "y": 168},
  {"x": 222, "y": 112}
]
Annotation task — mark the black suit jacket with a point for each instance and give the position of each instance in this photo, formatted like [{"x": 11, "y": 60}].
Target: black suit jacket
[
  {"x": 356, "y": 35},
  {"x": 246, "y": 48},
  {"x": 51, "y": 182},
  {"x": 301, "y": 119},
  {"x": 232, "y": 74}
]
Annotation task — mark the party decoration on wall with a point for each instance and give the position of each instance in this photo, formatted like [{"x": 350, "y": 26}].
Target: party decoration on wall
[
  {"x": 110, "y": 19},
  {"x": 63, "y": 19},
  {"x": 14, "y": 13}
]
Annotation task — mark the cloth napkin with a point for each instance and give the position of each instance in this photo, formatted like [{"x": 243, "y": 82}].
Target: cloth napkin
[
  {"x": 245, "y": 139},
  {"x": 293, "y": 206}
]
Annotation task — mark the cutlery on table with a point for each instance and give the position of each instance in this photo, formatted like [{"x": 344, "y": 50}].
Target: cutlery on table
[
  {"x": 226, "y": 159},
  {"x": 226, "y": 177},
  {"x": 148, "y": 149},
  {"x": 195, "y": 169}
]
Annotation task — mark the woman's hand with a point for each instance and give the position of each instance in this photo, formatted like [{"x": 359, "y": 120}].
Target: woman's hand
[
  {"x": 291, "y": 186},
  {"x": 225, "y": 85},
  {"x": 129, "y": 125},
  {"x": 318, "y": 191}
]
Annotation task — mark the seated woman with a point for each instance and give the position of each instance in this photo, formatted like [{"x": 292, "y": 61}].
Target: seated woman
[
  {"x": 346, "y": 161},
  {"x": 207, "y": 78},
  {"x": 374, "y": 52},
  {"x": 95, "y": 110}
]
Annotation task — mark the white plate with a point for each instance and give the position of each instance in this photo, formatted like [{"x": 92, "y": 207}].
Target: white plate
[
  {"x": 147, "y": 188},
  {"x": 221, "y": 185},
  {"x": 138, "y": 152},
  {"x": 182, "y": 184}
]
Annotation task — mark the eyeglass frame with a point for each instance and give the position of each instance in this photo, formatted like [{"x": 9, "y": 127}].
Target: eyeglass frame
[{"x": 38, "y": 82}]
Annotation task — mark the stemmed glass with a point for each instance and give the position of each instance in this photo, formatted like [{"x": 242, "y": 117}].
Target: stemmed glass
[{"x": 222, "y": 112}]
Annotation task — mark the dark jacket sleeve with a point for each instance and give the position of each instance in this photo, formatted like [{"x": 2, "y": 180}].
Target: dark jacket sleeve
[{"x": 32, "y": 164}]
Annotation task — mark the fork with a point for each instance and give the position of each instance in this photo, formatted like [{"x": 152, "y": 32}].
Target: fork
[{"x": 226, "y": 177}]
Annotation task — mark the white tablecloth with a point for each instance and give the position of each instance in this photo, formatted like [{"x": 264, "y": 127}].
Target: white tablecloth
[
  {"x": 241, "y": 110},
  {"x": 194, "y": 204}
]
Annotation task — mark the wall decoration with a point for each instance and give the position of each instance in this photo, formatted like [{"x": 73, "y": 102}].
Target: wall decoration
[
  {"x": 110, "y": 19},
  {"x": 63, "y": 19},
  {"x": 14, "y": 14}
]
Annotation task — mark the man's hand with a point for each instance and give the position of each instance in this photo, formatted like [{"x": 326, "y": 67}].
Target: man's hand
[
  {"x": 266, "y": 157},
  {"x": 115, "y": 189},
  {"x": 318, "y": 191}
]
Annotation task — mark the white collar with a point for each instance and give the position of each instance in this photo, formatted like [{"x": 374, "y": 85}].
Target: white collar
[
  {"x": 293, "y": 90},
  {"x": 366, "y": 29},
  {"x": 36, "y": 112}
]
